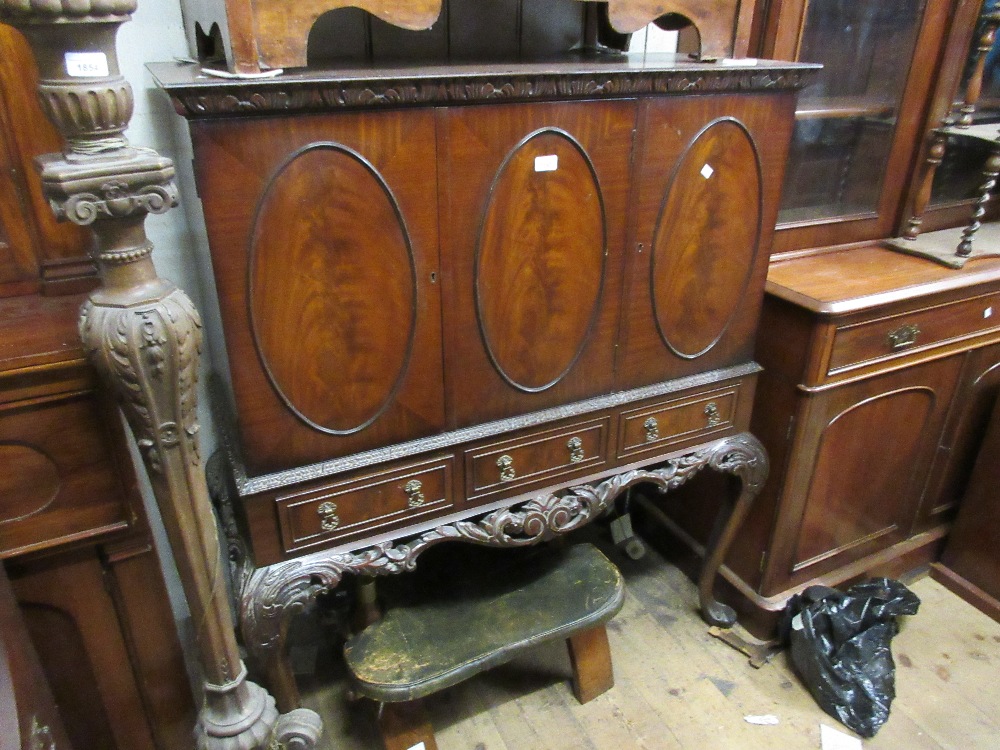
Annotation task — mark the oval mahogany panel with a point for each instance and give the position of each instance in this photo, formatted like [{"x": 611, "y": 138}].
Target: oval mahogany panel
[
  {"x": 706, "y": 238},
  {"x": 30, "y": 483},
  {"x": 540, "y": 260},
  {"x": 332, "y": 288}
]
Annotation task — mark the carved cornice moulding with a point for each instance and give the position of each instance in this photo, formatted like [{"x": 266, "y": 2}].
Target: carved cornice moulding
[{"x": 197, "y": 96}]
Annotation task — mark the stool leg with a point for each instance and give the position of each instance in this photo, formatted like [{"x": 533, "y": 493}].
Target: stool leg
[
  {"x": 591, "y": 659},
  {"x": 405, "y": 726}
]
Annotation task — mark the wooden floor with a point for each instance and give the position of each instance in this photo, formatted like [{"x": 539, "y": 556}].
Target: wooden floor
[{"x": 677, "y": 687}]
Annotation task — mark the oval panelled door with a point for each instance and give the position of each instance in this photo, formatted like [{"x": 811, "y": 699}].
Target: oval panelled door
[
  {"x": 540, "y": 260},
  {"x": 706, "y": 238},
  {"x": 332, "y": 288}
]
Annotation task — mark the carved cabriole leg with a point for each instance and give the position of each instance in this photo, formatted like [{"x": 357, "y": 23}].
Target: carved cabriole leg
[
  {"x": 143, "y": 335},
  {"x": 271, "y": 596},
  {"x": 744, "y": 457}
]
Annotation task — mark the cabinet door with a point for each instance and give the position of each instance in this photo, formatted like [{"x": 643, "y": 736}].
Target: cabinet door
[
  {"x": 323, "y": 233},
  {"x": 708, "y": 171},
  {"x": 857, "y": 124},
  {"x": 967, "y": 423},
  {"x": 533, "y": 206},
  {"x": 860, "y": 459}
]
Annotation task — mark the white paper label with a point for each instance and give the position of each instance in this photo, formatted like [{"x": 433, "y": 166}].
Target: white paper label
[
  {"x": 548, "y": 163},
  {"x": 418, "y": 746},
  {"x": 765, "y": 720},
  {"x": 707, "y": 171},
  {"x": 86, "y": 64}
]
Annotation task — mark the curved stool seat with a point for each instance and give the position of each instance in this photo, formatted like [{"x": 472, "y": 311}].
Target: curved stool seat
[{"x": 486, "y": 618}]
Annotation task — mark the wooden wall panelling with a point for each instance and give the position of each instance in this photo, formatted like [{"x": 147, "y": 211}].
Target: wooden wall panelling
[
  {"x": 18, "y": 263},
  {"x": 531, "y": 258},
  {"x": 68, "y": 610},
  {"x": 134, "y": 581},
  {"x": 64, "y": 490},
  {"x": 355, "y": 276},
  {"x": 29, "y": 718},
  {"x": 695, "y": 263},
  {"x": 47, "y": 251}
]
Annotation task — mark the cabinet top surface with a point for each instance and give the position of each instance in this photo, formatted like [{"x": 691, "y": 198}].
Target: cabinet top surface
[
  {"x": 37, "y": 330},
  {"x": 860, "y": 278},
  {"x": 197, "y": 94}
]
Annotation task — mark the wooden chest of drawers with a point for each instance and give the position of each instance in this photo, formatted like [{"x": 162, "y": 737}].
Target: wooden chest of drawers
[{"x": 880, "y": 373}]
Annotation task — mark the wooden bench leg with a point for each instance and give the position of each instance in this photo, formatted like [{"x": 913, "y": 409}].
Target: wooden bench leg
[
  {"x": 590, "y": 656},
  {"x": 405, "y": 726}
]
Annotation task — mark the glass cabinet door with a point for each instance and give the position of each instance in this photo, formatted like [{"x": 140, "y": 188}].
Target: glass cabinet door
[
  {"x": 855, "y": 124},
  {"x": 846, "y": 119}
]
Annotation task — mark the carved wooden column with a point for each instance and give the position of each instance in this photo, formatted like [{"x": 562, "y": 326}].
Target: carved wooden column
[{"x": 143, "y": 335}]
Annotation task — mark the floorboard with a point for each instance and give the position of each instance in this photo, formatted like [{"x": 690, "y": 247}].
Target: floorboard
[{"x": 677, "y": 688}]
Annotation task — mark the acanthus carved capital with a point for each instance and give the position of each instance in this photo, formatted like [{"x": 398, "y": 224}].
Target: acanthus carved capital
[{"x": 149, "y": 353}]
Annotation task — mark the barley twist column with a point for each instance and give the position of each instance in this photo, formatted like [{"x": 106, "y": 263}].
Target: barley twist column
[{"x": 144, "y": 336}]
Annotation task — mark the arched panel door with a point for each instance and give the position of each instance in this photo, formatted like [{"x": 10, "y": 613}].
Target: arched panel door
[
  {"x": 857, "y": 485},
  {"x": 532, "y": 231},
  {"x": 323, "y": 232},
  {"x": 703, "y": 220}
]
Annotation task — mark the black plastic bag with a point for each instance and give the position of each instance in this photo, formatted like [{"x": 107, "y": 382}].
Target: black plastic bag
[{"x": 840, "y": 648}]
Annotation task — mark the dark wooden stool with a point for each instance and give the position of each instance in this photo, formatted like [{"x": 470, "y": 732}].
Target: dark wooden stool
[{"x": 488, "y": 617}]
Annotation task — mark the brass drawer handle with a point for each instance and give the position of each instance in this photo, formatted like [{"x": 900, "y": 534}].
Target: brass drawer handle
[
  {"x": 575, "y": 446},
  {"x": 329, "y": 520},
  {"x": 506, "y": 466},
  {"x": 903, "y": 337},
  {"x": 652, "y": 429},
  {"x": 414, "y": 493},
  {"x": 712, "y": 412}
]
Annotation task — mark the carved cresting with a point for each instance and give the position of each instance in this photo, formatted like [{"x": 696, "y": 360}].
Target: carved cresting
[
  {"x": 270, "y": 596},
  {"x": 144, "y": 336}
]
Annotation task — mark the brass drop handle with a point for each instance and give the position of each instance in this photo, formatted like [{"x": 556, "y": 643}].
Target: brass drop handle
[
  {"x": 506, "y": 465},
  {"x": 414, "y": 493},
  {"x": 903, "y": 337},
  {"x": 329, "y": 520},
  {"x": 712, "y": 412},
  {"x": 652, "y": 429},
  {"x": 575, "y": 446}
]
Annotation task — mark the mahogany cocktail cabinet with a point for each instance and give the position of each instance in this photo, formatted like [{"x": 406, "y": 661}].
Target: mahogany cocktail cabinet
[{"x": 477, "y": 302}]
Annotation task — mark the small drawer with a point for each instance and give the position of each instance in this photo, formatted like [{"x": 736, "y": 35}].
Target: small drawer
[
  {"x": 537, "y": 457},
  {"x": 861, "y": 343},
  {"x": 366, "y": 505},
  {"x": 692, "y": 417},
  {"x": 58, "y": 480}
]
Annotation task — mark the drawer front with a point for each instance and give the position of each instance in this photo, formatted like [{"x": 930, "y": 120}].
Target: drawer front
[
  {"x": 895, "y": 336},
  {"x": 58, "y": 481},
  {"x": 561, "y": 453},
  {"x": 367, "y": 505},
  {"x": 691, "y": 418}
]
